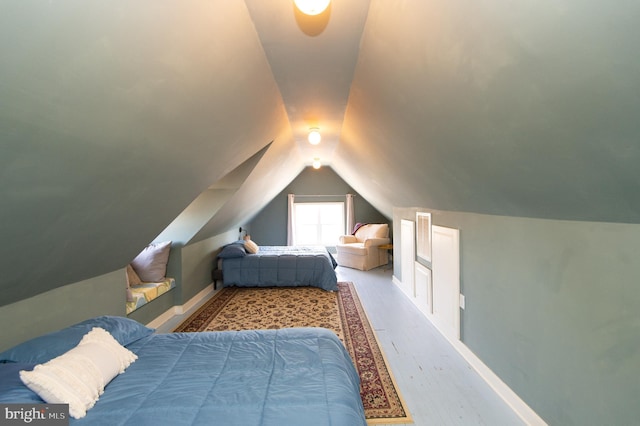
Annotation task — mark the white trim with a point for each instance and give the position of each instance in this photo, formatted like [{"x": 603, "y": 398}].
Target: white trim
[
  {"x": 396, "y": 281},
  {"x": 163, "y": 318},
  {"x": 407, "y": 257},
  {"x": 512, "y": 399},
  {"x": 191, "y": 303},
  {"x": 520, "y": 407},
  {"x": 180, "y": 309}
]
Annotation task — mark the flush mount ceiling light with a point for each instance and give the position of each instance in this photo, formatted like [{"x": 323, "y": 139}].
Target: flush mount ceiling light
[
  {"x": 312, "y": 7},
  {"x": 314, "y": 136},
  {"x": 316, "y": 163}
]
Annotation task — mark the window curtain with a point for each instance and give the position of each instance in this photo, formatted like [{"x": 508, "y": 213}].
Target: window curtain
[
  {"x": 290, "y": 220},
  {"x": 351, "y": 214}
]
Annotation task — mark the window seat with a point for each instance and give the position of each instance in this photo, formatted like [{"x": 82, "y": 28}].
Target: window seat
[{"x": 145, "y": 292}]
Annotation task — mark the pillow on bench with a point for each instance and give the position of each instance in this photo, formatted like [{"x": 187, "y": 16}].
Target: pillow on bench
[
  {"x": 146, "y": 275},
  {"x": 151, "y": 263}
]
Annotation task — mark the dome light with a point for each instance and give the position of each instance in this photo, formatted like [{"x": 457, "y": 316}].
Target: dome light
[
  {"x": 314, "y": 136},
  {"x": 312, "y": 7}
]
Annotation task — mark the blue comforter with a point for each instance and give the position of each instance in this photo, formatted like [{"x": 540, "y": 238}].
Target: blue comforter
[
  {"x": 289, "y": 266},
  {"x": 295, "y": 376},
  {"x": 281, "y": 377}
]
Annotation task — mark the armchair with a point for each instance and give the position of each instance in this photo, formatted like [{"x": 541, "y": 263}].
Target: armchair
[{"x": 361, "y": 250}]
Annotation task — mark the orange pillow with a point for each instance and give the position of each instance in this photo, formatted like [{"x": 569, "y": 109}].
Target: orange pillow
[{"x": 250, "y": 246}]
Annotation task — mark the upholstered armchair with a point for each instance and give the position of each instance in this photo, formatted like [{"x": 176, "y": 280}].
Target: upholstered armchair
[{"x": 361, "y": 250}]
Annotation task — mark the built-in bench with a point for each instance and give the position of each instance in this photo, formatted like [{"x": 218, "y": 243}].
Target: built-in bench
[
  {"x": 146, "y": 275},
  {"x": 143, "y": 293}
]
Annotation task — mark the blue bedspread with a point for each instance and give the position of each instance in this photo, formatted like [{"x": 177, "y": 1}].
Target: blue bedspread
[
  {"x": 282, "y": 377},
  {"x": 286, "y": 266},
  {"x": 295, "y": 376}
]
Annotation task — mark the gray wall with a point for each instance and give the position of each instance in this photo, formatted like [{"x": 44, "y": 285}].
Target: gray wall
[
  {"x": 525, "y": 108},
  {"x": 552, "y": 309},
  {"x": 269, "y": 227},
  {"x": 63, "y": 306},
  {"x": 111, "y": 125},
  {"x": 105, "y": 295},
  {"x": 191, "y": 266}
]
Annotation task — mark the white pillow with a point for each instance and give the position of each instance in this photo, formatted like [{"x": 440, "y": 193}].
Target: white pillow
[{"x": 78, "y": 376}]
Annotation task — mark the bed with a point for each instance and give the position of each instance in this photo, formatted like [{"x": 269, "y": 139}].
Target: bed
[
  {"x": 278, "y": 266},
  {"x": 258, "y": 377}
]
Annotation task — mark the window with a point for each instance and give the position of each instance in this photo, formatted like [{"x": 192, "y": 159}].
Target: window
[
  {"x": 318, "y": 223},
  {"x": 423, "y": 236}
]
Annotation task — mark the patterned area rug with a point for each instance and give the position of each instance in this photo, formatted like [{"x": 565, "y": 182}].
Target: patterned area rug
[{"x": 235, "y": 308}]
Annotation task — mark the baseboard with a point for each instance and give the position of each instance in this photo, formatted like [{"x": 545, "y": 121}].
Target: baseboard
[
  {"x": 195, "y": 300},
  {"x": 162, "y": 318},
  {"x": 512, "y": 399},
  {"x": 181, "y": 309},
  {"x": 520, "y": 407}
]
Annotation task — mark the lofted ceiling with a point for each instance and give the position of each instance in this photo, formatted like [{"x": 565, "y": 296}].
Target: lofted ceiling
[
  {"x": 116, "y": 115},
  {"x": 523, "y": 109},
  {"x": 313, "y": 60}
]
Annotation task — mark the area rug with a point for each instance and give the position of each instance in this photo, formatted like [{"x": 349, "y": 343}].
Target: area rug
[{"x": 234, "y": 308}]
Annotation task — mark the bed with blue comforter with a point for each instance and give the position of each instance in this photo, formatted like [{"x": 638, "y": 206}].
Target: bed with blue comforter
[
  {"x": 278, "y": 266},
  {"x": 300, "y": 376}
]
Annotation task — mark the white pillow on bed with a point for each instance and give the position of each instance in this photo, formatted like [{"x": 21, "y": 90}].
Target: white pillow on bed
[{"x": 78, "y": 376}]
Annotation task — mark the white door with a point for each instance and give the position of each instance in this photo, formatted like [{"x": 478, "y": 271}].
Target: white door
[
  {"x": 446, "y": 280},
  {"x": 423, "y": 289},
  {"x": 407, "y": 256}
]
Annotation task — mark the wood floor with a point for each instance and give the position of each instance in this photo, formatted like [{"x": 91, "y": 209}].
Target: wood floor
[{"x": 438, "y": 385}]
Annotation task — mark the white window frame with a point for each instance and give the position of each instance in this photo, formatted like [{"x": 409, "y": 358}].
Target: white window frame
[{"x": 423, "y": 236}]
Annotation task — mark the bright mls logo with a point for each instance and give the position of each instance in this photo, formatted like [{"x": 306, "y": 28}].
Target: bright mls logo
[{"x": 34, "y": 414}]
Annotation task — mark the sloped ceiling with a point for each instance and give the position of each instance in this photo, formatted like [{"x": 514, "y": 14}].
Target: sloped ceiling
[
  {"x": 116, "y": 115},
  {"x": 510, "y": 108}
]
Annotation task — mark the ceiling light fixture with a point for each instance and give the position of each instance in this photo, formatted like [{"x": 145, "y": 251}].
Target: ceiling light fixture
[
  {"x": 316, "y": 163},
  {"x": 312, "y": 7},
  {"x": 314, "y": 136}
]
